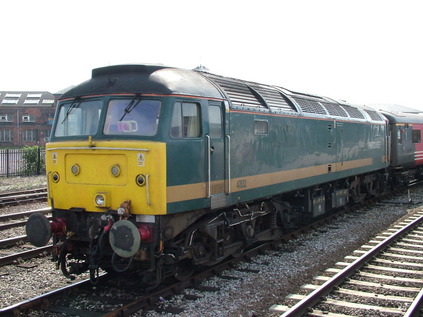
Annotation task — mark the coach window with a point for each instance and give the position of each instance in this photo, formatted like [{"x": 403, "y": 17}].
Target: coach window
[
  {"x": 186, "y": 121},
  {"x": 416, "y": 136}
]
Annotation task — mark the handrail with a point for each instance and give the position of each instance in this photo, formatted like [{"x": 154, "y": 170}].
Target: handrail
[
  {"x": 208, "y": 166},
  {"x": 228, "y": 163}
]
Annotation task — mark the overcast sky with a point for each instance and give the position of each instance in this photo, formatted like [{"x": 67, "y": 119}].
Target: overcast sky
[{"x": 361, "y": 51}]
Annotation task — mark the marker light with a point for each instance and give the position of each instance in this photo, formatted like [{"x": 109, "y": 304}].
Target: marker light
[
  {"x": 115, "y": 170},
  {"x": 55, "y": 177},
  {"x": 140, "y": 180},
  {"x": 75, "y": 169}
]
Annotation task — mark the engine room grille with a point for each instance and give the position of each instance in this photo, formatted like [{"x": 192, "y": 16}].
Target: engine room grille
[
  {"x": 353, "y": 112},
  {"x": 239, "y": 92},
  {"x": 251, "y": 95},
  {"x": 310, "y": 106},
  {"x": 273, "y": 97},
  {"x": 374, "y": 115},
  {"x": 334, "y": 109}
]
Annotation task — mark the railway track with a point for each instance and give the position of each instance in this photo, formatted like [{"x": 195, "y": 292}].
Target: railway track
[
  {"x": 6, "y": 218},
  {"x": 20, "y": 197},
  {"x": 145, "y": 300},
  {"x": 8, "y": 256},
  {"x": 383, "y": 278}
]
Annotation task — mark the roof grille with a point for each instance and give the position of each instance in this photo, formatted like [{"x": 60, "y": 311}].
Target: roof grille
[
  {"x": 252, "y": 95},
  {"x": 334, "y": 109},
  {"x": 310, "y": 106},
  {"x": 374, "y": 115},
  {"x": 273, "y": 97},
  {"x": 353, "y": 112},
  {"x": 239, "y": 92}
]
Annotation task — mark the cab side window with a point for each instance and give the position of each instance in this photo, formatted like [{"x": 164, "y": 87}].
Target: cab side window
[
  {"x": 186, "y": 120},
  {"x": 215, "y": 122}
]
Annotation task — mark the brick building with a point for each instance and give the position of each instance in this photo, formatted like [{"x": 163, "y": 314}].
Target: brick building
[{"x": 26, "y": 117}]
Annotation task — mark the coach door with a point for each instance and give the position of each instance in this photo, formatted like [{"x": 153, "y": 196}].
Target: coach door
[{"x": 217, "y": 149}]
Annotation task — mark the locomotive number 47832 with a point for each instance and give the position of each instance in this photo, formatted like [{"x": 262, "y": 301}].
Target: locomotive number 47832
[{"x": 242, "y": 183}]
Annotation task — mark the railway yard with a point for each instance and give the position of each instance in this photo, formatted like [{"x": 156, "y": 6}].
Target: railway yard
[{"x": 256, "y": 287}]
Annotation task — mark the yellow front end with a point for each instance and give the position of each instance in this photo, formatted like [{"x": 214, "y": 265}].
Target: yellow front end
[{"x": 100, "y": 176}]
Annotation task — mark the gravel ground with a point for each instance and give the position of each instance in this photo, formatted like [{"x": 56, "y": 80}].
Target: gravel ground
[
  {"x": 21, "y": 183},
  {"x": 281, "y": 272}
]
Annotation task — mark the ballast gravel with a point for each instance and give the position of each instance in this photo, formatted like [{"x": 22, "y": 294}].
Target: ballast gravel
[{"x": 240, "y": 291}]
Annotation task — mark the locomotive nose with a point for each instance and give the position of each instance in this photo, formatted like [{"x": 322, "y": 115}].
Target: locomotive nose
[{"x": 39, "y": 229}]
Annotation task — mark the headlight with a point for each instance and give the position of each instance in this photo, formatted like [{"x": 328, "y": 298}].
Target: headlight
[{"x": 100, "y": 200}]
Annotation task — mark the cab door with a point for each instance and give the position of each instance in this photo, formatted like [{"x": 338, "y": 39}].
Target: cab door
[{"x": 217, "y": 149}]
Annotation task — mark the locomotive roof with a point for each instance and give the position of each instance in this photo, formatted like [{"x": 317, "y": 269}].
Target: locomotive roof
[
  {"x": 151, "y": 79},
  {"x": 243, "y": 95}
]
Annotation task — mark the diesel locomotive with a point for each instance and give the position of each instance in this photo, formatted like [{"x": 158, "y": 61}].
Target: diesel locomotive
[{"x": 157, "y": 170}]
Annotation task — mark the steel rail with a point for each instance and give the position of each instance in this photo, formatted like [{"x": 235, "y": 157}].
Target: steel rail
[
  {"x": 22, "y": 223},
  {"x": 315, "y": 297},
  {"x": 13, "y": 310},
  {"x": 18, "y": 215},
  {"x": 18, "y": 193},
  {"x": 37, "y": 252},
  {"x": 7, "y": 199},
  {"x": 12, "y": 241},
  {"x": 416, "y": 306}
]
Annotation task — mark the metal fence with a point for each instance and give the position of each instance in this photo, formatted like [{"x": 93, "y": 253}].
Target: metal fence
[{"x": 22, "y": 162}]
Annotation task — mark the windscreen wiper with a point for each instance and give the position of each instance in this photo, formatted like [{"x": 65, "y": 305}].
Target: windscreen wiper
[
  {"x": 75, "y": 104},
  {"x": 131, "y": 105}
]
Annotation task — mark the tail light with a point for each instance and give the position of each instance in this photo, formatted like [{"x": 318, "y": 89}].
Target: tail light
[
  {"x": 58, "y": 226},
  {"x": 146, "y": 232}
]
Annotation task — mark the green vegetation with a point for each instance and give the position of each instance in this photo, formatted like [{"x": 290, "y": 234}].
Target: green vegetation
[{"x": 34, "y": 161}]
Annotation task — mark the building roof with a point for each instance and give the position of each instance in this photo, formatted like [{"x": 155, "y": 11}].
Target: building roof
[{"x": 26, "y": 99}]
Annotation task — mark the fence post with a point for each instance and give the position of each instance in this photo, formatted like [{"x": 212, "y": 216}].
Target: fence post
[
  {"x": 7, "y": 162},
  {"x": 38, "y": 160}
]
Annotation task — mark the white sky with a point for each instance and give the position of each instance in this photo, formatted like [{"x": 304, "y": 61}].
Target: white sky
[{"x": 361, "y": 51}]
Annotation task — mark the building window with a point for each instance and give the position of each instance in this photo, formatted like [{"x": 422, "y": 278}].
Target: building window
[
  {"x": 48, "y": 101},
  {"x": 47, "y": 135},
  {"x": 34, "y": 96},
  {"x": 416, "y": 136},
  {"x": 31, "y": 101},
  {"x": 9, "y": 95},
  {"x": 10, "y": 101},
  {"x": 5, "y": 118},
  {"x": 29, "y": 135},
  {"x": 6, "y": 136},
  {"x": 27, "y": 118},
  {"x": 186, "y": 121}
]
